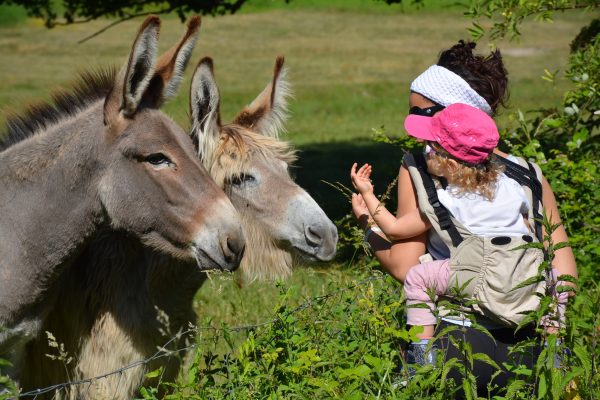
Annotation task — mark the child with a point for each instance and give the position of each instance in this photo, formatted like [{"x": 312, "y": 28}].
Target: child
[{"x": 460, "y": 141}]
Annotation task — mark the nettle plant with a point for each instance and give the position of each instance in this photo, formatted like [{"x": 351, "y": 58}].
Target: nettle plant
[
  {"x": 565, "y": 143},
  {"x": 347, "y": 344}
]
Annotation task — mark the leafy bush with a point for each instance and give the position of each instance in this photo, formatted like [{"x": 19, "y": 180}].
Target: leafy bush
[
  {"x": 565, "y": 143},
  {"x": 347, "y": 344},
  {"x": 342, "y": 345}
]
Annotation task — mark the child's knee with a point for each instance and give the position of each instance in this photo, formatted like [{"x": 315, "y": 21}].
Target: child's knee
[{"x": 414, "y": 277}]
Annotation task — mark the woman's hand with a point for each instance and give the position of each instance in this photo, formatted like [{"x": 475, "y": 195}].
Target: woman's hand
[
  {"x": 360, "y": 210},
  {"x": 359, "y": 207},
  {"x": 361, "y": 179}
]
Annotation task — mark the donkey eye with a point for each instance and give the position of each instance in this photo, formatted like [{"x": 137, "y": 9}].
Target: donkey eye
[
  {"x": 158, "y": 159},
  {"x": 238, "y": 180}
]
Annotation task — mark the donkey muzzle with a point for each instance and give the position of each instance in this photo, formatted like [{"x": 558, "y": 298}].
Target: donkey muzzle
[{"x": 219, "y": 244}]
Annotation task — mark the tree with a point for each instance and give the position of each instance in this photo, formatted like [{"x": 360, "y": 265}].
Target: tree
[
  {"x": 507, "y": 15},
  {"x": 77, "y": 11}
]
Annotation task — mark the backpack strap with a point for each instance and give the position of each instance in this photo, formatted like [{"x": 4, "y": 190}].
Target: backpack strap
[
  {"x": 527, "y": 175},
  {"x": 441, "y": 213},
  {"x": 537, "y": 203}
]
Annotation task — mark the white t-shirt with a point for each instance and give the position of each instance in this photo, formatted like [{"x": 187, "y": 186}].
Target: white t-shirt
[{"x": 502, "y": 216}]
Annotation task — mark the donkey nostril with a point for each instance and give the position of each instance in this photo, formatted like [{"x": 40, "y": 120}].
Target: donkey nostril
[
  {"x": 236, "y": 246},
  {"x": 313, "y": 236},
  {"x": 233, "y": 249}
]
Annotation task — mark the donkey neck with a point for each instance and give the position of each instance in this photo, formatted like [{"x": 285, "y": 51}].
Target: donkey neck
[
  {"x": 48, "y": 207},
  {"x": 119, "y": 265}
]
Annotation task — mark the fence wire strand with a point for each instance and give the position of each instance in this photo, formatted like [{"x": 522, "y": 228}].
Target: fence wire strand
[{"x": 164, "y": 352}]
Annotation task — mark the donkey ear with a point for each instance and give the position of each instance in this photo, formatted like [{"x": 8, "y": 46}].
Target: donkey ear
[
  {"x": 171, "y": 65},
  {"x": 136, "y": 74},
  {"x": 205, "y": 107},
  {"x": 268, "y": 112}
]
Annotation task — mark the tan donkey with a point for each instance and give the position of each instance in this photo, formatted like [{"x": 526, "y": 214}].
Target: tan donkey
[{"x": 247, "y": 159}]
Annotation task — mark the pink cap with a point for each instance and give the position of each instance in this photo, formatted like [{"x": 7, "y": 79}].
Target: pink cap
[{"x": 465, "y": 132}]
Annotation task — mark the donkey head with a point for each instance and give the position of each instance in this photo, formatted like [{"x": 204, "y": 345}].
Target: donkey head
[
  {"x": 248, "y": 161},
  {"x": 153, "y": 184}
]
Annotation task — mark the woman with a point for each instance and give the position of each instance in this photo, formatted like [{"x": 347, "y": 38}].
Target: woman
[{"x": 459, "y": 76}]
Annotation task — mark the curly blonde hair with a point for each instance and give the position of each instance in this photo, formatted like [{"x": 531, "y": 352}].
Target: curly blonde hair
[{"x": 468, "y": 178}]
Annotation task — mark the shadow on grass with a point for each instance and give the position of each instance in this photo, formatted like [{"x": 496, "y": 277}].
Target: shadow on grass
[{"x": 331, "y": 162}]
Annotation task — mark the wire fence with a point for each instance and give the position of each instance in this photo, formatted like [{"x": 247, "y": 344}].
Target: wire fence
[{"x": 163, "y": 351}]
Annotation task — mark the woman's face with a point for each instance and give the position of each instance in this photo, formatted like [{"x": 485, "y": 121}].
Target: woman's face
[{"x": 417, "y": 100}]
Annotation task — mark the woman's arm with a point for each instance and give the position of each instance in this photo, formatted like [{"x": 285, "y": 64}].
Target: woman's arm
[{"x": 564, "y": 259}]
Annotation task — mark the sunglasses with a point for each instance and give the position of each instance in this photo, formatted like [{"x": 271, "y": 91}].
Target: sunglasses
[{"x": 425, "y": 112}]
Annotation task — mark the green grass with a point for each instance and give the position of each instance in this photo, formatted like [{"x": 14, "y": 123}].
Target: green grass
[
  {"x": 350, "y": 69},
  {"x": 222, "y": 301}
]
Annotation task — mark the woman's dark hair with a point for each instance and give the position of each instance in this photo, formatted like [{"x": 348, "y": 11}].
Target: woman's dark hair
[{"x": 486, "y": 75}]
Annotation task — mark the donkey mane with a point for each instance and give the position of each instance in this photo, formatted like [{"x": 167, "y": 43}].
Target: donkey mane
[
  {"x": 89, "y": 87},
  {"x": 237, "y": 143}
]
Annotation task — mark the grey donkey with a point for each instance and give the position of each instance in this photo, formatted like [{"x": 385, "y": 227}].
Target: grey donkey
[{"x": 103, "y": 161}]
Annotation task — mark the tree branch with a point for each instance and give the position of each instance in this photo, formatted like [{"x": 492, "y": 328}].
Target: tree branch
[{"x": 112, "y": 24}]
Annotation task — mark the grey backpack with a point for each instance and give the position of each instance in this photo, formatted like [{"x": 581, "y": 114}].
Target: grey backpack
[{"x": 488, "y": 270}]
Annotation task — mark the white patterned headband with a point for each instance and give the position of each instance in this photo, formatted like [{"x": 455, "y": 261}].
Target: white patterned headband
[{"x": 444, "y": 87}]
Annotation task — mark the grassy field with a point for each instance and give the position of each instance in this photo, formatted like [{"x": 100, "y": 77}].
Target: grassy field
[{"x": 350, "y": 67}]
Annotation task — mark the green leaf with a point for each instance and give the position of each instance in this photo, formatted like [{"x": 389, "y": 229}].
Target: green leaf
[
  {"x": 327, "y": 384},
  {"x": 375, "y": 362},
  {"x": 514, "y": 388},
  {"x": 154, "y": 374},
  {"x": 486, "y": 359},
  {"x": 446, "y": 331},
  {"x": 560, "y": 245},
  {"x": 476, "y": 31},
  {"x": 447, "y": 367},
  {"x": 553, "y": 123},
  {"x": 542, "y": 387},
  {"x": 145, "y": 393},
  {"x": 518, "y": 369},
  {"x": 584, "y": 358},
  {"x": 567, "y": 278},
  {"x": 530, "y": 281},
  {"x": 482, "y": 329},
  {"x": 360, "y": 371}
]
